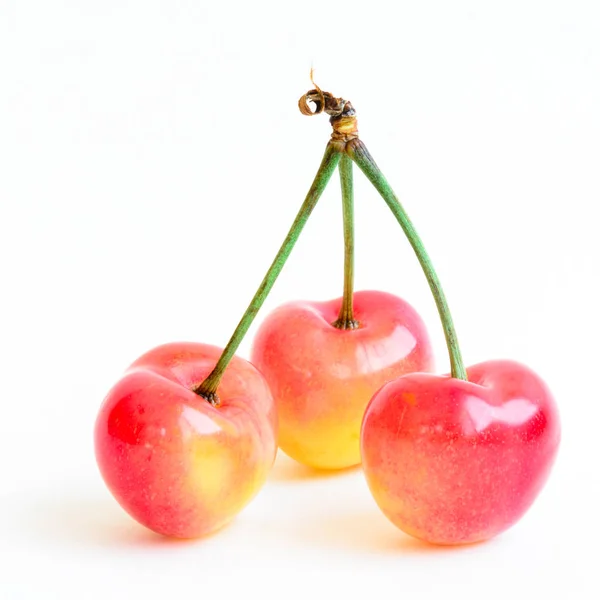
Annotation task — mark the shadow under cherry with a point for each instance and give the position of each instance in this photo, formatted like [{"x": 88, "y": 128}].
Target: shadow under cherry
[
  {"x": 79, "y": 521},
  {"x": 365, "y": 530},
  {"x": 286, "y": 469}
]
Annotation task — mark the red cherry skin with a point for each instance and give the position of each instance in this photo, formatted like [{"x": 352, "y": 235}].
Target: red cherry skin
[
  {"x": 322, "y": 378},
  {"x": 173, "y": 461},
  {"x": 453, "y": 462}
]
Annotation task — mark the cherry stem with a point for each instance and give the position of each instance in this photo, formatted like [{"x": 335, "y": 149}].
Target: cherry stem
[
  {"x": 346, "y": 319},
  {"x": 361, "y": 156},
  {"x": 208, "y": 388}
]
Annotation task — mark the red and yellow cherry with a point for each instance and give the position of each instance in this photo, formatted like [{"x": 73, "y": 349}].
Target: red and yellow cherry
[
  {"x": 322, "y": 377},
  {"x": 177, "y": 464},
  {"x": 453, "y": 462}
]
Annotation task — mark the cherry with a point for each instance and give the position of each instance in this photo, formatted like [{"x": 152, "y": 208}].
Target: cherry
[
  {"x": 176, "y": 463},
  {"x": 323, "y": 377},
  {"x": 452, "y": 461}
]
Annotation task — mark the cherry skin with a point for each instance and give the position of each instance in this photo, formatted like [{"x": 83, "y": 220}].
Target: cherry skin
[
  {"x": 177, "y": 464},
  {"x": 322, "y": 377},
  {"x": 453, "y": 462}
]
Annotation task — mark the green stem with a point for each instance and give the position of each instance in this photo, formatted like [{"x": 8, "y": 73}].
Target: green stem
[
  {"x": 208, "y": 388},
  {"x": 360, "y": 155},
  {"x": 346, "y": 319}
]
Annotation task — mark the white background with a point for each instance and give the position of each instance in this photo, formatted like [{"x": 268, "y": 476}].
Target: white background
[{"x": 152, "y": 158}]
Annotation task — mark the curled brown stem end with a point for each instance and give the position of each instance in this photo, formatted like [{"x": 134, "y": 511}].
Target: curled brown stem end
[{"x": 341, "y": 112}]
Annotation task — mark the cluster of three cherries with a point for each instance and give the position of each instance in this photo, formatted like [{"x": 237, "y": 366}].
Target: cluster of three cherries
[{"x": 190, "y": 432}]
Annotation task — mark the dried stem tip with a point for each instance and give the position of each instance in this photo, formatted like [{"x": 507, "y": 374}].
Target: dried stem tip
[{"x": 342, "y": 114}]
